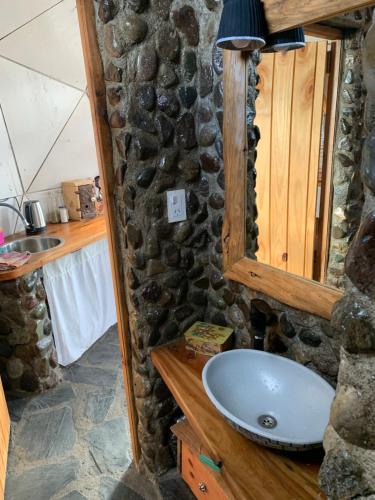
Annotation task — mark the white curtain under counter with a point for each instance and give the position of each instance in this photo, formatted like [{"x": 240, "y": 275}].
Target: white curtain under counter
[{"x": 81, "y": 299}]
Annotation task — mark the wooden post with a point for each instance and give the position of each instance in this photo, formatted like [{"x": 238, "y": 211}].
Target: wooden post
[{"x": 103, "y": 141}]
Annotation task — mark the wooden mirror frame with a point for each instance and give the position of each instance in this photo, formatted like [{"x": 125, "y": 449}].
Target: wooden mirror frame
[
  {"x": 290, "y": 289},
  {"x": 287, "y": 288}
]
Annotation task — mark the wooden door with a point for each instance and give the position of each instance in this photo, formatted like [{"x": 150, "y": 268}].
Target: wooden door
[
  {"x": 4, "y": 439},
  {"x": 289, "y": 114}
]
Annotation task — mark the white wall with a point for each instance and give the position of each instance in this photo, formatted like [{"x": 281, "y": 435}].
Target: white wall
[{"x": 46, "y": 134}]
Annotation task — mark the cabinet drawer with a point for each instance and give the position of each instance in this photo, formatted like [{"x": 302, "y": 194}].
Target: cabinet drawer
[{"x": 200, "y": 480}]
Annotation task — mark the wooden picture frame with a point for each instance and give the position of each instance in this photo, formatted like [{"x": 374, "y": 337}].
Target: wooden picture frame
[{"x": 287, "y": 288}]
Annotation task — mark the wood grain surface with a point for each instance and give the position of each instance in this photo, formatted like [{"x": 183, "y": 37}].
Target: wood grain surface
[
  {"x": 103, "y": 141},
  {"x": 235, "y": 155},
  {"x": 76, "y": 235},
  {"x": 248, "y": 471},
  {"x": 289, "y": 289},
  {"x": 285, "y": 14}
]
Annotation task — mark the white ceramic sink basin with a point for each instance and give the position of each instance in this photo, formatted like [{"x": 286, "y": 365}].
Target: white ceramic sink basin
[{"x": 270, "y": 399}]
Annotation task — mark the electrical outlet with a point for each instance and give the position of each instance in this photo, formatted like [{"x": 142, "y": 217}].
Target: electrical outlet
[{"x": 176, "y": 203}]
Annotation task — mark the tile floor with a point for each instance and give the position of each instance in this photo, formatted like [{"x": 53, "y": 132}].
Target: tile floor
[{"x": 72, "y": 442}]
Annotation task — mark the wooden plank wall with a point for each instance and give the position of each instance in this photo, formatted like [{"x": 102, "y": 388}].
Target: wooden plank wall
[{"x": 289, "y": 115}]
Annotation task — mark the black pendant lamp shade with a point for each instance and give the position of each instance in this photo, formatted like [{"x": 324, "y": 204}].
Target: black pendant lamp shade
[
  {"x": 242, "y": 25},
  {"x": 285, "y": 40}
]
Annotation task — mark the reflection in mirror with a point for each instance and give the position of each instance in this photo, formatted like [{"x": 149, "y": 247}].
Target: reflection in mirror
[{"x": 308, "y": 191}]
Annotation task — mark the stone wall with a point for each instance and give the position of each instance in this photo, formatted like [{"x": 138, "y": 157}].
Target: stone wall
[
  {"x": 165, "y": 97},
  {"x": 27, "y": 355},
  {"x": 164, "y": 108},
  {"x": 347, "y": 196},
  {"x": 349, "y": 464}
]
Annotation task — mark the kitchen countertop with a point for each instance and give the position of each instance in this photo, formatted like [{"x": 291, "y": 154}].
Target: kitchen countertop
[{"x": 76, "y": 234}]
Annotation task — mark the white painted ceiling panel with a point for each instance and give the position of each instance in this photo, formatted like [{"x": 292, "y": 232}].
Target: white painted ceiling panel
[
  {"x": 15, "y": 13},
  {"x": 73, "y": 152},
  {"x": 35, "y": 109},
  {"x": 50, "y": 44},
  {"x": 10, "y": 184}
]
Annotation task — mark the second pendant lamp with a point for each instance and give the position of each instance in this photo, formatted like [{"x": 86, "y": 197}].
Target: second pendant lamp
[
  {"x": 242, "y": 25},
  {"x": 285, "y": 40}
]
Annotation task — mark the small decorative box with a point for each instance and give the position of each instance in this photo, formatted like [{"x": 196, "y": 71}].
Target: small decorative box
[{"x": 208, "y": 339}]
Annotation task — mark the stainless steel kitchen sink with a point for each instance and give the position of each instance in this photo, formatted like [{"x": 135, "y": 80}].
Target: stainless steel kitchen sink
[{"x": 33, "y": 244}]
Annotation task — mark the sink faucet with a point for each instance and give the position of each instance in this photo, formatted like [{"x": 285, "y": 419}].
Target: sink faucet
[{"x": 7, "y": 205}]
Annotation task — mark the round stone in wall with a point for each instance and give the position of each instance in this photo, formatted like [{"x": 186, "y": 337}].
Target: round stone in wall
[
  {"x": 190, "y": 169},
  {"x": 309, "y": 337},
  {"x": 14, "y": 368},
  {"x": 134, "y": 29},
  {"x": 205, "y": 113},
  {"x": 189, "y": 64},
  {"x": 146, "y": 98},
  {"x": 113, "y": 73},
  {"x": 209, "y": 163},
  {"x": 168, "y": 161},
  {"x": 168, "y": 102},
  {"x": 137, "y": 6},
  {"x": 207, "y": 135},
  {"x": 165, "y": 129},
  {"x": 114, "y": 95},
  {"x": 113, "y": 40},
  {"x": 168, "y": 44},
  {"x": 188, "y": 96},
  {"x": 107, "y": 10},
  {"x": 186, "y": 21},
  {"x": 204, "y": 186},
  {"x": 145, "y": 145},
  {"x": 141, "y": 119},
  {"x": 212, "y": 4},
  {"x": 117, "y": 120},
  {"x": 205, "y": 80},
  {"x": 185, "y": 131},
  {"x": 147, "y": 63},
  {"x": 216, "y": 201},
  {"x": 144, "y": 179},
  {"x": 167, "y": 76}
]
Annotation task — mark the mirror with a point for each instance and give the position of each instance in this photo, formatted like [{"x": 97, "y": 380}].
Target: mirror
[{"x": 309, "y": 195}]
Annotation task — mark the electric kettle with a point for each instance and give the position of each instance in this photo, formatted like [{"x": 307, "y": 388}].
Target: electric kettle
[{"x": 34, "y": 217}]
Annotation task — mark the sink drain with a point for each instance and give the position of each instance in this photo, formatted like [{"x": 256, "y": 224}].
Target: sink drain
[{"x": 267, "y": 421}]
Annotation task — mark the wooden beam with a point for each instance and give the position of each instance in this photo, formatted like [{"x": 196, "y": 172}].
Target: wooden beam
[
  {"x": 287, "y": 288},
  {"x": 103, "y": 141},
  {"x": 235, "y": 155},
  {"x": 286, "y": 14},
  {"x": 324, "y": 32}
]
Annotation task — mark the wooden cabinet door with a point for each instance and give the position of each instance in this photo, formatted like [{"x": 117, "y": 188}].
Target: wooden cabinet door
[{"x": 4, "y": 439}]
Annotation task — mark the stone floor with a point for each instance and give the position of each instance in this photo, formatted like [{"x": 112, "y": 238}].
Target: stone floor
[{"x": 72, "y": 442}]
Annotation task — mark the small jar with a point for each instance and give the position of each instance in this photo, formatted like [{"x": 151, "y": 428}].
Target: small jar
[{"x": 64, "y": 215}]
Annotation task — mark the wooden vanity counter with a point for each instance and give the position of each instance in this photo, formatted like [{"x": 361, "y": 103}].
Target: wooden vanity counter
[
  {"x": 76, "y": 235},
  {"x": 248, "y": 471}
]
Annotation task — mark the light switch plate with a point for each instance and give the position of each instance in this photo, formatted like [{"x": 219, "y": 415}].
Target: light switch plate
[{"x": 176, "y": 203}]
